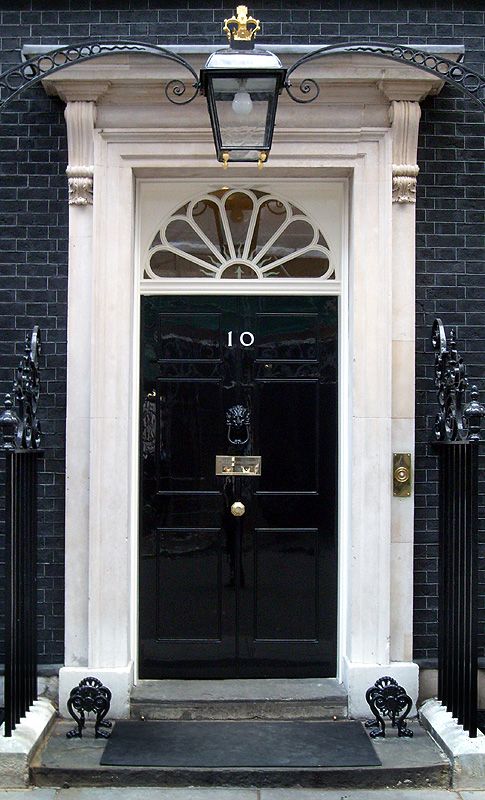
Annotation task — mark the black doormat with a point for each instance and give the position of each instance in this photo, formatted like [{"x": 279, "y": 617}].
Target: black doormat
[{"x": 179, "y": 743}]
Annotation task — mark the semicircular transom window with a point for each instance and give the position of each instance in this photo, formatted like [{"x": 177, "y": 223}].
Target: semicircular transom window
[{"x": 239, "y": 234}]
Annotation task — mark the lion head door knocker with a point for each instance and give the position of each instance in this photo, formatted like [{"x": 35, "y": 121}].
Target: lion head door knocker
[{"x": 238, "y": 419}]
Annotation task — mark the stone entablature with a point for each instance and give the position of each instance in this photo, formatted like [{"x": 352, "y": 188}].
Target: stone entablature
[{"x": 355, "y": 91}]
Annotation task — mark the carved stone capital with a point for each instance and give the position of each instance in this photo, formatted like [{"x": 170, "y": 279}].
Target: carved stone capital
[
  {"x": 404, "y": 116},
  {"x": 80, "y": 185},
  {"x": 80, "y": 118},
  {"x": 404, "y": 183},
  {"x": 80, "y": 191}
]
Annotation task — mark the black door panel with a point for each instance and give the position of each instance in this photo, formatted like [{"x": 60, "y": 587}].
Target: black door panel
[{"x": 255, "y": 595}]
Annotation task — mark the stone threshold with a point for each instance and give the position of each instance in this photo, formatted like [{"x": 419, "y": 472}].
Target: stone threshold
[
  {"x": 275, "y": 698},
  {"x": 240, "y": 689}
]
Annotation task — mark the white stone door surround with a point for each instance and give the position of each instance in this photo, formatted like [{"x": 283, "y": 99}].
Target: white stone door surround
[{"x": 362, "y": 130}]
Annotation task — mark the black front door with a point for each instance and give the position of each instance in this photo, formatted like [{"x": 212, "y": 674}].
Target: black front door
[{"x": 252, "y": 595}]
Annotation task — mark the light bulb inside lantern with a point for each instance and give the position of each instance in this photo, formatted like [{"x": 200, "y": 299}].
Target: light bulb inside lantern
[{"x": 242, "y": 103}]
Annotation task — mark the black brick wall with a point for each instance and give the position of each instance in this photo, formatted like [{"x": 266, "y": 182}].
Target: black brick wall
[
  {"x": 33, "y": 217},
  {"x": 450, "y": 277}
]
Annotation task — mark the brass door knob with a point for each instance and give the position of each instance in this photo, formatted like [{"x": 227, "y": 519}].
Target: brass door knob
[{"x": 238, "y": 509}]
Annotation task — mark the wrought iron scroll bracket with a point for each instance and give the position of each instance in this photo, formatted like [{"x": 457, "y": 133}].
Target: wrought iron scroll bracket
[
  {"x": 90, "y": 696},
  {"x": 23, "y": 76},
  {"x": 451, "y": 72},
  {"x": 455, "y": 420},
  {"x": 20, "y": 426},
  {"x": 387, "y": 699}
]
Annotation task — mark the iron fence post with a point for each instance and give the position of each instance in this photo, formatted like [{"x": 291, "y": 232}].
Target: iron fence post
[
  {"x": 21, "y": 440},
  {"x": 457, "y": 440}
]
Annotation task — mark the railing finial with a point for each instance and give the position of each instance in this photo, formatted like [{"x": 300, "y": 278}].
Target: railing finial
[
  {"x": 21, "y": 428},
  {"x": 454, "y": 421},
  {"x": 473, "y": 413},
  {"x": 9, "y": 424}
]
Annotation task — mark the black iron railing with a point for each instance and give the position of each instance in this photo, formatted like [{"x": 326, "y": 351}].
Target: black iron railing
[
  {"x": 21, "y": 440},
  {"x": 457, "y": 440}
]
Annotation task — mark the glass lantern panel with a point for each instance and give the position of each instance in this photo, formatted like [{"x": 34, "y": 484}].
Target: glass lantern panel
[{"x": 243, "y": 107}]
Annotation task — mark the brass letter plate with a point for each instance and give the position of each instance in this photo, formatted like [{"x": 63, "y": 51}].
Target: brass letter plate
[
  {"x": 238, "y": 465},
  {"x": 401, "y": 474}
]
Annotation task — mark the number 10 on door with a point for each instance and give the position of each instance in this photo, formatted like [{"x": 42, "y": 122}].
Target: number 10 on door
[{"x": 246, "y": 338}]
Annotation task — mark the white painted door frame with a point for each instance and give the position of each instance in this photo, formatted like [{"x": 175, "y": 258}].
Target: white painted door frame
[{"x": 105, "y": 541}]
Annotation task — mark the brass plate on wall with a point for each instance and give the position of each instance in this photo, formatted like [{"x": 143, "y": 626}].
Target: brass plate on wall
[
  {"x": 250, "y": 466},
  {"x": 401, "y": 474}
]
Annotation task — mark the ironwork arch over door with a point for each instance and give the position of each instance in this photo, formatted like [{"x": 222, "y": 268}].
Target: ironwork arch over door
[{"x": 238, "y": 414}]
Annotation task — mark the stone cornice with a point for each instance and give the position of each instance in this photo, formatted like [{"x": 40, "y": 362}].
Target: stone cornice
[
  {"x": 412, "y": 90},
  {"x": 79, "y": 90},
  {"x": 453, "y": 51},
  {"x": 127, "y": 92},
  {"x": 134, "y": 78}
]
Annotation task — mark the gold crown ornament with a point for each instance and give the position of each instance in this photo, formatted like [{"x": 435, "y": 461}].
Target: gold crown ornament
[{"x": 241, "y": 28}]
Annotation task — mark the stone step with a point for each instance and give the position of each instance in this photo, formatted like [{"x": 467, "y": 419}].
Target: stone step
[
  {"x": 278, "y": 699},
  {"x": 406, "y": 764}
]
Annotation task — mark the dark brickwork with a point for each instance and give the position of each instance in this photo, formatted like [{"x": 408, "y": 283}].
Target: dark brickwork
[
  {"x": 33, "y": 216},
  {"x": 450, "y": 284}
]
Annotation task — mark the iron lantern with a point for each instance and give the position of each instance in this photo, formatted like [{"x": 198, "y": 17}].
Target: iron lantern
[{"x": 242, "y": 85}]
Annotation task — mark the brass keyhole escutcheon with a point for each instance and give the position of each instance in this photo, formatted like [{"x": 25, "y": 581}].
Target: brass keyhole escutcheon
[
  {"x": 401, "y": 474},
  {"x": 238, "y": 509}
]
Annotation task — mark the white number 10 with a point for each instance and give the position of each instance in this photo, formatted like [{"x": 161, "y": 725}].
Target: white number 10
[{"x": 246, "y": 338}]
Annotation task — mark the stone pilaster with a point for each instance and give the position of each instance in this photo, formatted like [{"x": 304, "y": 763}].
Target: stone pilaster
[
  {"x": 80, "y": 117},
  {"x": 404, "y": 116}
]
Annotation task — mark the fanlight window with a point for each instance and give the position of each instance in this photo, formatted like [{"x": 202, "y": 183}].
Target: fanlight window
[{"x": 239, "y": 234}]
